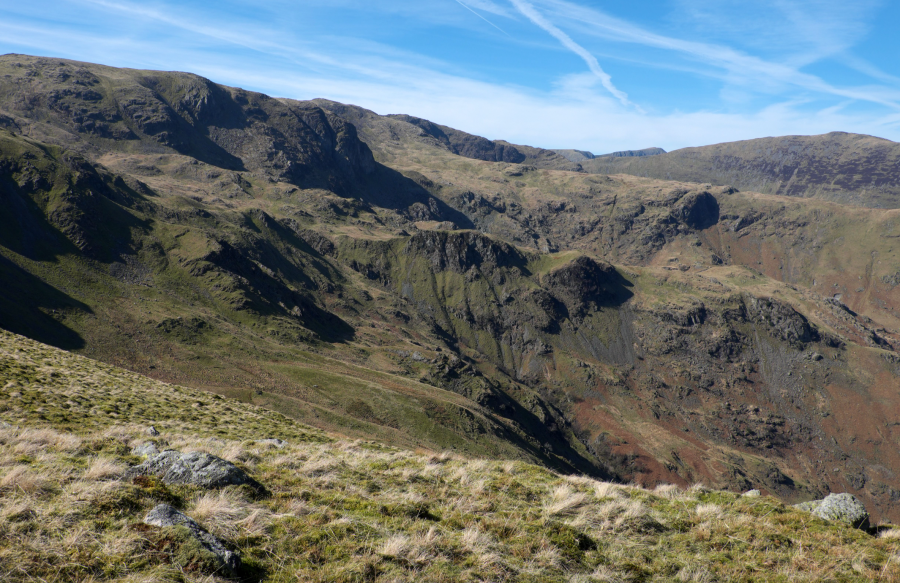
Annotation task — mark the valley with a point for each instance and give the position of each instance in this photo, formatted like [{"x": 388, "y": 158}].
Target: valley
[{"x": 634, "y": 319}]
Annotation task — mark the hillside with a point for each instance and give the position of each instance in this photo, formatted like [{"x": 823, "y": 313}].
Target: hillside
[
  {"x": 840, "y": 167},
  {"x": 363, "y": 275},
  {"x": 72, "y": 508}
]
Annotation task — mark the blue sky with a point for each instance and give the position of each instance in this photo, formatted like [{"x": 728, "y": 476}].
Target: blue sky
[{"x": 599, "y": 76}]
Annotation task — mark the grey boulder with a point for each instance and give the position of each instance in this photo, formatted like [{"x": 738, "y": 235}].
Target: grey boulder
[
  {"x": 844, "y": 508},
  {"x": 148, "y": 449},
  {"x": 164, "y": 515},
  {"x": 808, "y": 506},
  {"x": 196, "y": 468}
]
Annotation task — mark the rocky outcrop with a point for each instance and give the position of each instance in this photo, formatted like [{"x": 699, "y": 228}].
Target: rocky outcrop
[
  {"x": 145, "y": 450},
  {"x": 585, "y": 284},
  {"x": 782, "y": 320},
  {"x": 633, "y": 153},
  {"x": 844, "y": 508},
  {"x": 847, "y": 168},
  {"x": 207, "y": 550},
  {"x": 196, "y": 468},
  {"x": 460, "y": 251},
  {"x": 698, "y": 210}
]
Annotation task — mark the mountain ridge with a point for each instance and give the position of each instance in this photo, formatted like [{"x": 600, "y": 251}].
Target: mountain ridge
[
  {"x": 580, "y": 155},
  {"x": 847, "y": 168}
]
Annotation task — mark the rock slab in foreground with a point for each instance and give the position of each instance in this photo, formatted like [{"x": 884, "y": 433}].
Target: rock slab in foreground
[
  {"x": 164, "y": 515},
  {"x": 844, "y": 508},
  {"x": 196, "y": 468}
]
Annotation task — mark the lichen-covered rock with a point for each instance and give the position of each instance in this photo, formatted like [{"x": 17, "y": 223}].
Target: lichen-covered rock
[
  {"x": 752, "y": 493},
  {"x": 808, "y": 506},
  {"x": 207, "y": 548},
  {"x": 197, "y": 468},
  {"x": 844, "y": 508},
  {"x": 147, "y": 449}
]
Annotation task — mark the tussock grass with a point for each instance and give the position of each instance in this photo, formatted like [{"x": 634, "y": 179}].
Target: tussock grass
[{"x": 348, "y": 510}]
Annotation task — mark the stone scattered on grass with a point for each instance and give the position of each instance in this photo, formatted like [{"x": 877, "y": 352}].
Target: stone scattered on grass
[
  {"x": 752, "y": 493},
  {"x": 196, "y": 468},
  {"x": 274, "y": 441},
  {"x": 844, "y": 508},
  {"x": 207, "y": 550}
]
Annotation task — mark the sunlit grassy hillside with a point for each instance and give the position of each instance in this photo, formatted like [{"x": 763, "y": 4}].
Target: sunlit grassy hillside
[{"x": 349, "y": 510}]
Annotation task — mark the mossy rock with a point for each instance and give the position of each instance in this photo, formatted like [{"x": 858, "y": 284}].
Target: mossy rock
[{"x": 188, "y": 552}]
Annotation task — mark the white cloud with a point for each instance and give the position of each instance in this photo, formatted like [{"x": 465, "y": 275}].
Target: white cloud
[
  {"x": 538, "y": 19},
  {"x": 741, "y": 68},
  {"x": 805, "y": 30}
]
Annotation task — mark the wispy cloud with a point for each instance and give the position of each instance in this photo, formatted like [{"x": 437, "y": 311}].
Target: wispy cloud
[
  {"x": 469, "y": 8},
  {"x": 489, "y": 7},
  {"x": 740, "y": 67},
  {"x": 537, "y": 18},
  {"x": 798, "y": 32}
]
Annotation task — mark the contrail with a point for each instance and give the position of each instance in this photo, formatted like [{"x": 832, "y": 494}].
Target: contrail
[
  {"x": 534, "y": 16},
  {"x": 481, "y": 17}
]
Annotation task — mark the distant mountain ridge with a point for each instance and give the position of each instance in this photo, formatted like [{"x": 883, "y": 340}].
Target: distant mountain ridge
[
  {"x": 838, "y": 166},
  {"x": 582, "y": 155}
]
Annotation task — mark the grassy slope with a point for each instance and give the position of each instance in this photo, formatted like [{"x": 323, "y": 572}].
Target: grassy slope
[
  {"x": 231, "y": 338},
  {"x": 356, "y": 511}
]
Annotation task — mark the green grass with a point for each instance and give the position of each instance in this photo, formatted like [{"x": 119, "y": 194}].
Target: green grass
[{"x": 351, "y": 510}]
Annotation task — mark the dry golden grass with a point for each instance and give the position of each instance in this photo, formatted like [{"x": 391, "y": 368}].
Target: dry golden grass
[
  {"x": 351, "y": 509},
  {"x": 348, "y": 510}
]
